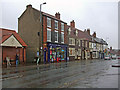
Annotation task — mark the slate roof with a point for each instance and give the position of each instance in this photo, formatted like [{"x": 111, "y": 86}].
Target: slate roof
[
  {"x": 99, "y": 40},
  {"x": 36, "y": 14},
  {"x": 81, "y": 34}
]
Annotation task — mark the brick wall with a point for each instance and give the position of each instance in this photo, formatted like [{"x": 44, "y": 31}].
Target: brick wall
[{"x": 11, "y": 52}]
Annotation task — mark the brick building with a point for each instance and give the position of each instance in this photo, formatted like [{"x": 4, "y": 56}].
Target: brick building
[
  {"x": 12, "y": 44},
  {"x": 54, "y": 35},
  {"x": 56, "y": 39},
  {"x": 79, "y": 47},
  {"x": 99, "y": 46}
]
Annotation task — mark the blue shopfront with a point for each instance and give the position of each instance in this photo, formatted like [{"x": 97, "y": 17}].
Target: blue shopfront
[{"x": 57, "y": 52}]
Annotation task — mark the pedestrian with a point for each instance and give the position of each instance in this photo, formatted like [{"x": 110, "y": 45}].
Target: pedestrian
[
  {"x": 8, "y": 61},
  {"x": 17, "y": 59},
  {"x": 52, "y": 59},
  {"x": 67, "y": 58}
]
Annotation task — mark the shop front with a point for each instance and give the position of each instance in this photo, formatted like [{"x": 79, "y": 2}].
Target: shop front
[{"x": 57, "y": 52}]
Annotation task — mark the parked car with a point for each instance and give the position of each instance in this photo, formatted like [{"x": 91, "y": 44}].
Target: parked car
[
  {"x": 113, "y": 56},
  {"x": 107, "y": 57},
  {"x": 118, "y": 57}
]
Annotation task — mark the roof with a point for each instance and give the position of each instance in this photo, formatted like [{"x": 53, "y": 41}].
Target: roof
[
  {"x": 6, "y": 33},
  {"x": 36, "y": 14},
  {"x": 100, "y": 40},
  {"x": 81, "y": 34}
]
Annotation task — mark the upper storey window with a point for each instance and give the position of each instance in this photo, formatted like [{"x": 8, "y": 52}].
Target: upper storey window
[
  {"x": 56, "y": 24},
  {"x": 48, "y": 22},
  {"x": 62, "y": 26},
  {"x": 69, "y": 31}
]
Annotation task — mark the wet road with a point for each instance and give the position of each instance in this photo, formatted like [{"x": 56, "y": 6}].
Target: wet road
[{"x": 73, "y": 74}]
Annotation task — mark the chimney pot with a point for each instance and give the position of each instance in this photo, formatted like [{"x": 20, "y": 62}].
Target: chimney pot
[
  {"x": 57, "y": 15},
  {"x": 88, "y": 31},
  {"x": 94, "y": 35},
  {"x": 72, "y": 23},
  {"x": 29, "y": 6}
]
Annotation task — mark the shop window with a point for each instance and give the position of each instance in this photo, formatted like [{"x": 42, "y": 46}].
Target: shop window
[
  {"x": 58, "y": 53},
  {"x": 56, "y": 36},
  {"x": 62, "y": 37},
  {"x": 71, "y": 51},
  {"x": 52, "y": 54},
  {"x": 48, "y": 35},
  {"x": 62, "y": 26},
  {"x": 62, "y": 54},
  {"x": 56, "y": 24},
  {"x": 48, "y": 22}
]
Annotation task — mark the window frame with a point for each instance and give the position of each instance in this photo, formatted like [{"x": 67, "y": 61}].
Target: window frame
[
  {"x": 57, "y": 36},
  {"x": 62, "y": 33},
  {"x": 47, "y": 35},
  {"x": 56, "y": 24},
  {"x": 73, "y": 51},
  {"x": 48, "y": 19},
  {"x": 72, "y": 41},
  {"x": 62, "y": 24}
]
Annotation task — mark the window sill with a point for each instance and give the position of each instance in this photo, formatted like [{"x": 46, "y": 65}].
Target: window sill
[
  {"x": 48, "y": 41},
  {"x": 56, "y": 41}
]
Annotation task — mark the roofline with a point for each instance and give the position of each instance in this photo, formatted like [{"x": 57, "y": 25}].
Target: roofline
[
  {"x": 16, "y": 39},
  {"x": 6, "y": 38},
  {"x": 49, "y": 15},
  {"x": 7, "y": 29},
  {"x": 75, "y": 28}
]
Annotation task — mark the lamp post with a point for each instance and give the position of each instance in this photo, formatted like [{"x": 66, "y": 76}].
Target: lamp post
[{"x": 41, "y": 44}]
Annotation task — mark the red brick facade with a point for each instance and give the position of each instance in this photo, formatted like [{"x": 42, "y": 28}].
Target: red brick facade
[{"x": 11, "y": 51}]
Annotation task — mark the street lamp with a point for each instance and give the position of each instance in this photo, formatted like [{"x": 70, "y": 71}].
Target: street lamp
[{"x": 41, "y": 46}]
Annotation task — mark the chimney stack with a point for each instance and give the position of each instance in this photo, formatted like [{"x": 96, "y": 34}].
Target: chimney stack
[
  {"x": 94, "y": 35},
  {"x": 88, "y": 31},
  {"x": 72, "y": 23},
  {"x": 57, "y": 15},
  {"x": 29, "y": 6}
]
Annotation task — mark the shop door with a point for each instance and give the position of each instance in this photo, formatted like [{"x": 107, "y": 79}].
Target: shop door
[
  {"x": 76, "y": 54},
  {"x": 83, "y": 55},
  {"x": 90, "y": 55}
]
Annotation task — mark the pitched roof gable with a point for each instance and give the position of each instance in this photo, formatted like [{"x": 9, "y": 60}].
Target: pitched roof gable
[
  {"x": 7, "y": 33},
  {"x": 36, "y": 14},
  {"x": 81, "y": 34}
]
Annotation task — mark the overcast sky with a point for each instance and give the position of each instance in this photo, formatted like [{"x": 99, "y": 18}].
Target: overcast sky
[{"x": 100, "y": 16}]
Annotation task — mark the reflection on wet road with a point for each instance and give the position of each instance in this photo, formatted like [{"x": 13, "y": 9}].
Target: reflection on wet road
[{"x": 73, "y": 74}]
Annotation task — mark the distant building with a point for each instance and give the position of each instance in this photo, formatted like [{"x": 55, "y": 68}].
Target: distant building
[
  {"x": 79, "y": 43},
  {"x": 99, "y": 47},
  {"x": 12, "y": 44}
]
